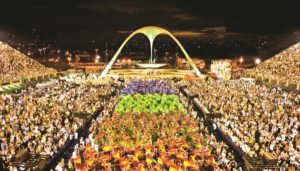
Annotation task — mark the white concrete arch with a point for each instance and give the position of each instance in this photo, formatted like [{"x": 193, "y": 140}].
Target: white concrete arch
[{"x": 151, "y": 32}]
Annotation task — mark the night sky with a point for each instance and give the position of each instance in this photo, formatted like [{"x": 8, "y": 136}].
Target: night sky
[{"x": 186, "y": 16}]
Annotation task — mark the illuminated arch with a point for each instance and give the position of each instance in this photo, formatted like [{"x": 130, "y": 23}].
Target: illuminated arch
[{"x": 151, "y": 32}]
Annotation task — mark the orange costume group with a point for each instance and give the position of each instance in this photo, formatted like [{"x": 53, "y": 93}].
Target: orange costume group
[{"x": 148, "y": 142}]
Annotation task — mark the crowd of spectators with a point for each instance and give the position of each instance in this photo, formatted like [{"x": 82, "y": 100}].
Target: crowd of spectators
[
  {"x": 89, "y": 142},
  {"x": 284, "y": 66},
  {"x": 41, "y": 118},
  {"x": 88, "y": 152},
  {"x": 262, "y": 121},
  {"x": 225, "y": 156},
  {"x": 14, "y": 65}
]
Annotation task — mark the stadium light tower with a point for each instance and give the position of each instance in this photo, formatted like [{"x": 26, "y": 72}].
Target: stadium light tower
[
  {"x": 97, "y": 58},
  {"x": 106, "y": 52},
  {"x": 241, "y": 60},
  {"x": 40, "y": 50},
  {"x": 69, "y": 58},
  {"x": 44, "y": 50},
  {"x": 96, "y": 52}
]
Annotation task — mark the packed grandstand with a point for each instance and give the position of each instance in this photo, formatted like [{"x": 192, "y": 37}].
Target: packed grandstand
[
  {"x": 14, "y": 65},
  {"x": 284, "y": 66},
  {"x": 148, "y": 124}
]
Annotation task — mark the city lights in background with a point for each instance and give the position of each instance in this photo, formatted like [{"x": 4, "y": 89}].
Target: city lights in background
[
  {"x": 124, "y": 61},
  {"x": 257, "y": 61}
]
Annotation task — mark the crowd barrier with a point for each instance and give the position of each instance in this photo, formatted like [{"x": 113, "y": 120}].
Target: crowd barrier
[
  {"x": 238, "y": 151},
  {"x": 57, "y": 157},
  {"x": 208, "y": 116},
  {"x": 255, "y": 163},
  {"x": 203, "y": 112},
  {"x": 49, "y": 163},
  {"x": 81, "y": 133}
]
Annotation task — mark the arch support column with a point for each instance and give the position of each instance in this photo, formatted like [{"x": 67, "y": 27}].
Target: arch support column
[{"x": 151, "y": 32}]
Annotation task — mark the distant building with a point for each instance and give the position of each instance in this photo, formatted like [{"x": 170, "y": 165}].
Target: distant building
[
  {"x": 83, "y": 58},
  {"x": 199, "y": 62},
  {"x": 182, "y": 63},
  {"x": 87, "y": 62},
  {"x": 221, "y": 68}
]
